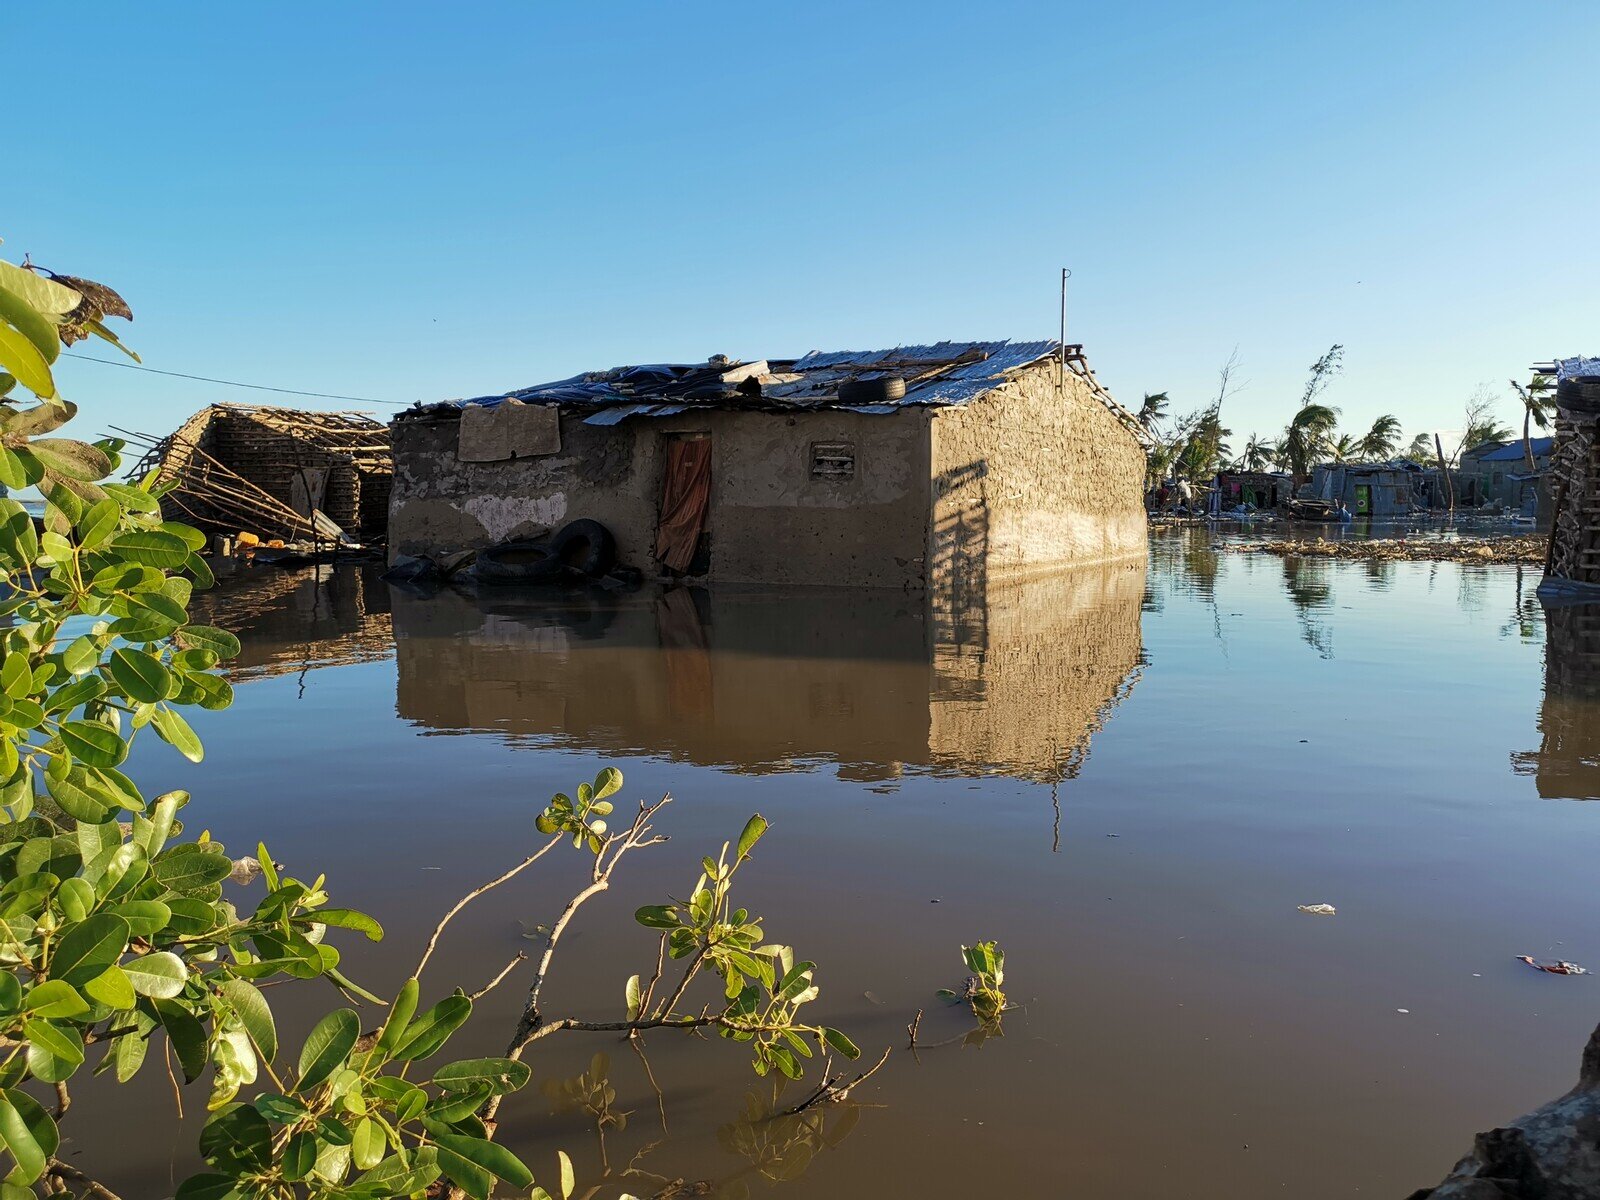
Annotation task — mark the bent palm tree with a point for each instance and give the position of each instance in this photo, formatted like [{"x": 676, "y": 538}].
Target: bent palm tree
[
  {"x": 1151, "y": 411},
  {"x": 1535, "y": 410},
  {"x": 1308, "y": 437},
  {"x": 1258, "y": 454},
  {"x": 1380, "y": 441}
]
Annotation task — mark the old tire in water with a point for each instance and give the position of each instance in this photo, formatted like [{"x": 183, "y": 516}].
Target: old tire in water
[
  {"x": 586, "y": 546},
  {"x": 872, "y": 391},
  {"x": 518, "y": 562}
]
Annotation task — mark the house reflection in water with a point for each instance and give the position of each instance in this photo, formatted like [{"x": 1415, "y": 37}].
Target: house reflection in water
[
  {"x": 1014, "y": 682},
  {"x": 292, "y": 620},
  {"x": 1567, "y": 764}
]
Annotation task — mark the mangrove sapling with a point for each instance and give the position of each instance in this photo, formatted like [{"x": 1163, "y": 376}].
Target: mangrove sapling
[{"x": 981, "y": 990}]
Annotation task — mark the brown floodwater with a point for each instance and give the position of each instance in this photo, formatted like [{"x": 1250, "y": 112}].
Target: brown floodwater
[{"x": 1130, "y": 777}]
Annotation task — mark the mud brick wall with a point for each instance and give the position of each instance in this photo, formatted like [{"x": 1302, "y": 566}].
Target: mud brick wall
[{"x": 1575, "y": 479}]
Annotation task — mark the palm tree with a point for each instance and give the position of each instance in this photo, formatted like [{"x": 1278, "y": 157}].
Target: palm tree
[
  {"x": 1420, "y": 449},
  {"x": 1258, "y": 454},
  {"x": 1535, "y": 410},
  {"x": 1307, "y": 438},
  {"x": 1479, "y": 432},
  {"x": 1206, "y": 447},
  {"x": 1153, "y": 408},
  {"x": 1379, "y": 442},
  {"x": 1344, "y": 449}
]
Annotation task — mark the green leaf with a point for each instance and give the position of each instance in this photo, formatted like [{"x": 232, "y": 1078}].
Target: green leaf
[
  {"x": 369, "y": 1144},
  {"x": 796, "y": 981},
  {"x": 143, "y": 677},
  {"x": 13, "y": 471},
  {"x": 54, "y": 1051},
  {"x": 568, "y": 1179},
  {"x": 208, "y": 1187},
  {"x": 349, "y": 918},
  {"x": 88, "y": 948},
  {"x": 113, "y": 988},
  {"x": 299, "y": 1155},
  {"x": 160, "y": 976},
  {"x": 78, "y": 692},
  {"x": 400, "y": 1013},
  {"x": 252, "y": 1008},
  {"x": 55, "y": 998},
  {"x": 327, "y": 1047},
  {"x": 841, "y": 1043},
  {"x": 151, "y": 548},
  {"x": 175, "y": 731},
  {"x": 21, "y": 358},
  {"x": 753, "y": 829},
  {"x": 128, "y": 1051},
  {"x": 99, "y": 523},
  {"x": 39, "y": 1123},
  {"x": 76, "y": 896},
  {"x": 187, "y": 1034},
  {"x": 20, "y": 1141},
  {"x": 31, "y": 323},
  {"x": 45, "y": 294},
  {"x": 501, "y": 1074},
  {"x": 81, "y": 796},
  {"x": 607, "y": 783},
  {"x": 145, "y": 918},
  {"x": 657, "y": 916},
  {"x": 237, "y": 1138},
  {"x": 191, "y": 867},
  {"x": 490, "y": 1156},
  {"x": 206, "y": 637},
  {"x": 397, "y": 1177},
  {"x": 71, "y": 459},
  {"x": 430, "y": 1031},
  {"x": 133, "y": 499},
  {"x": 634, "y": 997},
  {"x": 93, "y": 744}
]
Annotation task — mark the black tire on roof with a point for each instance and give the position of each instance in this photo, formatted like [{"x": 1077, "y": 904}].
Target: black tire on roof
[{"x": 872, "y": 391}]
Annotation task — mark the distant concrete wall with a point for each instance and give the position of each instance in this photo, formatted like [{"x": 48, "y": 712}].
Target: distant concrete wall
[
  {"x": 1032, "y": 477},
  {"x": 770, "y": 520}
]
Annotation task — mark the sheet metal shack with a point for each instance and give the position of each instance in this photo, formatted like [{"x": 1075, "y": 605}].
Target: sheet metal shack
[{"x": 1000, "y": 460}]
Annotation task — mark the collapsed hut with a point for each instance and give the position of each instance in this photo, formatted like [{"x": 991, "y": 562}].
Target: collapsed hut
[{"x": 277, "y": 473}]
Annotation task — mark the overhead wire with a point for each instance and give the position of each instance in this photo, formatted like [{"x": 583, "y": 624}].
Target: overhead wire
[{"x": 257, "y": 387}]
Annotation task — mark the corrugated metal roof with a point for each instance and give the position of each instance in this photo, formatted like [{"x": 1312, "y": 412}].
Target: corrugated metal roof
[
  {"x": 1512, "y": 451},
  {"x": 943, "y": 374}
]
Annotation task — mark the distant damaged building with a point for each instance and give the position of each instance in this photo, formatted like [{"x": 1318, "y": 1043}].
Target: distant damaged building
[{"x": 895, "y": 468}]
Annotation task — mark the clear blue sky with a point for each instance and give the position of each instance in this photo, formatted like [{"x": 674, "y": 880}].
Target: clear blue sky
[{"x": 419, "y": 201}]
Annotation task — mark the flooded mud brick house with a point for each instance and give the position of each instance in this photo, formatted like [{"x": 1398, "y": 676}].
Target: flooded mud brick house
[
  {"x": 263, "y": 470},
  {"x": 906, "y": 468}
]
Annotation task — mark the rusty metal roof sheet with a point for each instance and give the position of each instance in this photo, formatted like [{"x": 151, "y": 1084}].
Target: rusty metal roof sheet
[{"x": 942, "y": 374}]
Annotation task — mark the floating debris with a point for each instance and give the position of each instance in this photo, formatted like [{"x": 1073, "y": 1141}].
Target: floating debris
[
  {"x": 1559, "y": 967},
  {"x": 1508, "y": 549},
  {"x": 1318, "y": 910}
]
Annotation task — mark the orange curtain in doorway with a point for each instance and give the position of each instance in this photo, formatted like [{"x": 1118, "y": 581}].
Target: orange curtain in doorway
[{"x": 684, "y": 500}]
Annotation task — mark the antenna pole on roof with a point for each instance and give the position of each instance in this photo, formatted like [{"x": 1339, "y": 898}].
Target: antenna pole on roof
[{"x": 1061, "y": 351}]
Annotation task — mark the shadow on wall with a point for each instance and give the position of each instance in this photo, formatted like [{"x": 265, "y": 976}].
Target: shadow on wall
[
  {"x": 958, "y": 565},
  {"x": 757, "y": 681},
  {"x": 1566, "y": 766}
]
